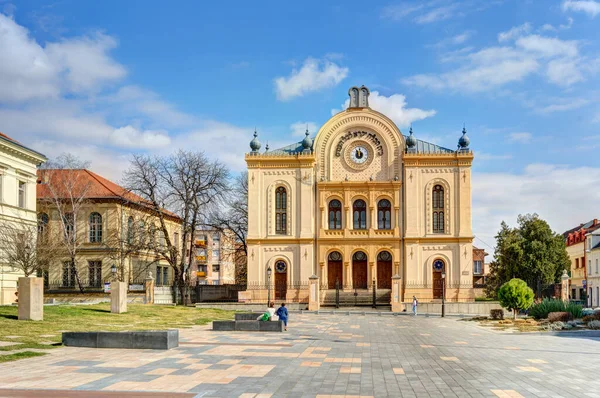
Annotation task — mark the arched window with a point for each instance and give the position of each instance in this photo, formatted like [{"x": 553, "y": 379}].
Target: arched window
[
  {"x": 130, "y": 233},
  {"x": 42, "y": 224},
  {"x": 359, "y": 213},
  {"x": 95, "y": 228},
  {"x": 281, "y": 211},
  {"x": 438, "y": 209},
  {"x": 335, "y": 214},
  {"x": 384, "y": 214}
]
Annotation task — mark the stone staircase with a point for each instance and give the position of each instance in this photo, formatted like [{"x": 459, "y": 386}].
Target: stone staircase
[{"x": 363, "y": 297}]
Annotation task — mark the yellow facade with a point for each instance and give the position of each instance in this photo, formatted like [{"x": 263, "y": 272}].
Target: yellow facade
[{"x": 360, "y": 161}]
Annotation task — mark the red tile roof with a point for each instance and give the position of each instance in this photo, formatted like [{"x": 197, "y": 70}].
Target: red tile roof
[
  {"x": 88, "y": 184},
  {"x": 10, "y": 139}
]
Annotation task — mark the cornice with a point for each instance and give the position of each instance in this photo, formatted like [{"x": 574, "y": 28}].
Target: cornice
[
  {"x": 279, "y": 161},
  {"x": 22, "y": 152},
  {"x": 435, "y": 239},
  {"x": 279, "y": 241},
  {"x": 371, "y": 185}
]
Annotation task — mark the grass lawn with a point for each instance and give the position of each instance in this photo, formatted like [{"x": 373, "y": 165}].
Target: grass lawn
[{"x": 78, "y": 318}]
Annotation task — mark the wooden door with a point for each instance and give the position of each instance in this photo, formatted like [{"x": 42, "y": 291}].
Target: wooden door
[
  {"x": 280, "y": 286},
  {"x": 335, "y": 271},
  {"x": 384, "y": 274},
  {"x": 438, "y": 285},
  {"x": 359, "y": 274}
]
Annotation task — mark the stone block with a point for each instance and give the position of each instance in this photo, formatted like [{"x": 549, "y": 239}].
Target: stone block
[
  {"x": 80, "y": 339},
  {"x": 247, "y": 316},
  {"x": 224, "y": 326},
  {"x": 115, "y": 339},
  {"x": 270, "y": 326},
  {"x": 118, "y": 297},
  {"x": 31, "y": 299},
  {"x": 156, "y": 339},
  {"x": 247, "y": 326}
]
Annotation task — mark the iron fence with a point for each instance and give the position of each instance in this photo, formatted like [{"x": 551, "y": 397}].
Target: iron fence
[{"x": 89, "y": 286}]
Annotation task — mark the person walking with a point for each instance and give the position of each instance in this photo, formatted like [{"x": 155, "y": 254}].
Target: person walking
[
  {"x": 282, "y": 313},
  {"x": 415, "y": 304}
]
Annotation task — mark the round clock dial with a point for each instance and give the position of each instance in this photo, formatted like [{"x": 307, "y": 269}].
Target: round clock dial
[
  {"x": 359, "y": 155},
  {"x": 438, "y": 265}
]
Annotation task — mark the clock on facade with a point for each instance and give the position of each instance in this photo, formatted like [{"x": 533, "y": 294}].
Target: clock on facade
[
  {"x": 438, "y": 265},
  {"x": 359, "y": 155},
  {"x": 280, "y": 266}
]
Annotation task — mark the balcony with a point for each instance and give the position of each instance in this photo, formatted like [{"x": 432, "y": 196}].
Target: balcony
[
  {"x": 201, "y": 274},
  {"x": 200, "y": 242},
  {"x": 201, "y": 259}
]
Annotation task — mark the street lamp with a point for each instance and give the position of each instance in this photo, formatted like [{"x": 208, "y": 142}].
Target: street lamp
[
  {"x": 269, "y": 271},
  {"x": 443, "y": 294},
  {"x": 113, "y": 270}
]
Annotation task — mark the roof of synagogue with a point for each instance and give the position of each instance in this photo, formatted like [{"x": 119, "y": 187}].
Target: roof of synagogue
[{"x": 422, "y": 147}]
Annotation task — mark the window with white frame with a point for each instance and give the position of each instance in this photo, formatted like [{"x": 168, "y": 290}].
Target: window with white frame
[
  {"x": 22, "y": 194},
  {"x": 477, "y": 267},
  {"x": 216, "y": 254}
]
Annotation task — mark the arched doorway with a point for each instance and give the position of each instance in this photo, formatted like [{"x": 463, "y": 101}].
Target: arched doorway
[
  {"x": 335, "y": 270},
  {"x": 384, "y": 270},
  {"x": 280, "y": 280},
  {"x": 439, "y": 267},
  {"x": 359, "y": 270}
]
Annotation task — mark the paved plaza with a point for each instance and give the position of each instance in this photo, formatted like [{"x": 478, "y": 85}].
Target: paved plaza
[{"x": 325, "y": 356}]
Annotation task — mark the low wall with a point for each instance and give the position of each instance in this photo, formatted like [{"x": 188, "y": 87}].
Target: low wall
[
  {"x": 249, "y": 307},
  {"x": 143, "y": 339},
  {"x": 89, "y": 298},
  {"x": 472, "y": 308}
]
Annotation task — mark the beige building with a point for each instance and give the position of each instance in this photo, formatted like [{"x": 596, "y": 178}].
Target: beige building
[
  {"x": 593, "y": 267},
  {"x": 214, "y": 257},
  {"x": 575, "y": 240},
  {"x": 18, "y": 166},
  {"x": 358, "y": 204},
  {"x": 111, "y": 227}
]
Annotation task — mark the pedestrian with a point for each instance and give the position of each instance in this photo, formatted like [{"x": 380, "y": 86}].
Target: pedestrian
[
  {"x": 282, "y": 313},
  {"x": 415, "y": 304},
  {"x": 268, "y": 314}
]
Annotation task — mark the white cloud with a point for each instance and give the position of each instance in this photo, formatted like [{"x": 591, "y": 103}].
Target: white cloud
[
  {"x": 130, "y": 137},
  {"x": 564, "y": 72},
  {"x": 70, "y": 66},
  {"x": 437, "y": 14},
  {"x": 514, "y": 32},
  {"x": 548, "y": 28},
  {"x": 394, "y": 107},
  {"x": 314, "y": 75},
  {"x": 298, "y": 129},
  {"x": 563, "y": 104},
  {"x": 425, "y": 12},
  {"x": 523, "y": 138},
  {"x": 541, "y": 188},
  {"x": 590, "y": 7},
  {"x": 548, "y": 46}
]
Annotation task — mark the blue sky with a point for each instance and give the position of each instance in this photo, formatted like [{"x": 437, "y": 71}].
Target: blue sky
[{"x": 105, "y": 79}]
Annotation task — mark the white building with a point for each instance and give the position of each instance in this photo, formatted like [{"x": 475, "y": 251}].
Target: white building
[
  {"x": 592, "y": 249},
  {"x": 18, "y": 167}
]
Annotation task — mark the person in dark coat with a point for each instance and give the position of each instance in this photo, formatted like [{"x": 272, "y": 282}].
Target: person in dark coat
[{"x": 282, "y": 313}]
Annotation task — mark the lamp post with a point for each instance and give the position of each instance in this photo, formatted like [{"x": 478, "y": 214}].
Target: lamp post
[
  {"x": 269, "y": 271},
  {"x": 443, "y": 294},
  {"x": 113, "y": 270}
]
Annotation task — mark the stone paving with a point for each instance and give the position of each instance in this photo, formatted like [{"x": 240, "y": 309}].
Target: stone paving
[{"x": 325, "y": 356}]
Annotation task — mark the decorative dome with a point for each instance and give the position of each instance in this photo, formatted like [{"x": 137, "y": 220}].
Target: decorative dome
[
  {"x": 307, "y": 142},
  {"x": 463, "y": 142},
  {"x": 255, "y": 143},
  {"x": 411, "y": 141}
]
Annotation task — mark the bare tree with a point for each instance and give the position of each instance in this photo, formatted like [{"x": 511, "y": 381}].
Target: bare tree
[
  {"x": 23, "y": 248},
  {"x": 232, "y": 216},
  {"x": 186, "y": 184},
  {"x": 65, "y": 190}
]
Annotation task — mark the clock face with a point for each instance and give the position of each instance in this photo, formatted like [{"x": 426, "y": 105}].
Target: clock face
[
  {"x": 359, "y": 155},
  {"x": 438, "y": 265},
  {"x": 280, "y": 266}
]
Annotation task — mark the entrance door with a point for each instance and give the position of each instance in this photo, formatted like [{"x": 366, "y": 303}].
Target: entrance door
[
  {"x": 438, "y": 283},
  {"x": 335, "y": 270},
  {"x": 359, "y": 270},
  {"x": 384, "y": 270},
  {"x": 280, "y": 280}
]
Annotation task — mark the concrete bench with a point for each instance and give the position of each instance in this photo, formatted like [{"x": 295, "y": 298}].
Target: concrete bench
[
  {"x": 247, "y": 316},
  {"x": 248, "y": 326},
  {"x": 143, "y": 339}
]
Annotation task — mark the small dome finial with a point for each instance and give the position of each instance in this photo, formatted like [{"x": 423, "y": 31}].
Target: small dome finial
[
  {"x": 411, "y": 141},
  {"x": 255, "y": 143},
  {"x": 464, "y": 141},
  {"x": 267, "y": 147},
  {"x": 307, "y": 142}
]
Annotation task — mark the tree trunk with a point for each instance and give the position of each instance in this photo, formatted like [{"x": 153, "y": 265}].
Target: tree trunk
[
  {"x": 77, "y": 277},
  {"x": 515, "y": 314}
]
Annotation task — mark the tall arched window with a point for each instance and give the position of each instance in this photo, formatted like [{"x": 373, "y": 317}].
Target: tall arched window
[
  {"x": 130, "y": 230},
  {"x": 42, "y": 224},
  {"x": 359, "y": 214},
  {"x": 95, "y": 228},
  {"x": 384, "y": 214},
  {"x": 335, "y": 214},
  {"x": 280, "y": 211},
  {"x": 438, "y": 209}
]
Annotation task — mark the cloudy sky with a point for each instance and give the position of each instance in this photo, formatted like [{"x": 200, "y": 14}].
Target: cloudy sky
[{"x": 104, "y": 79}]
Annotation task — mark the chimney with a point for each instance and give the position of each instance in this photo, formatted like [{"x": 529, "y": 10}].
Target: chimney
[{"x": 595, "y": 222}]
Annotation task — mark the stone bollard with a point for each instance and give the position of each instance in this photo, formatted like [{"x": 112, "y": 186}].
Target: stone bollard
[
  {"x": 313, "y": 299},
  {"x": 149, "y": 288},
  {"x": 31, "y": 299},
  {"x": 396, "y": 299},
  {"x": 564, "y": 291},
  {"x": 118, "y": 297}
]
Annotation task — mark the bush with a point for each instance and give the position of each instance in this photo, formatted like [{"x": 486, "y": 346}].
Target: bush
[
  {"x": 560, "y": 316},
  {"x": 515, "y": 295},
  {"x": 497, "y": 314},
  {"x": 483, "y": 298},
  {"x": 555, "y": 326},
  {"x": 594, "y": 325},
  {"x": 546, "y": 306}
]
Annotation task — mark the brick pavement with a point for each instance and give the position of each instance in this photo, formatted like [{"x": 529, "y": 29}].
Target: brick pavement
[{"x": 324, "y": 356}]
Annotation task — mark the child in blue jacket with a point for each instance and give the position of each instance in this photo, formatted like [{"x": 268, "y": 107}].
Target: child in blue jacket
[{"x": 282, "y": 313}]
